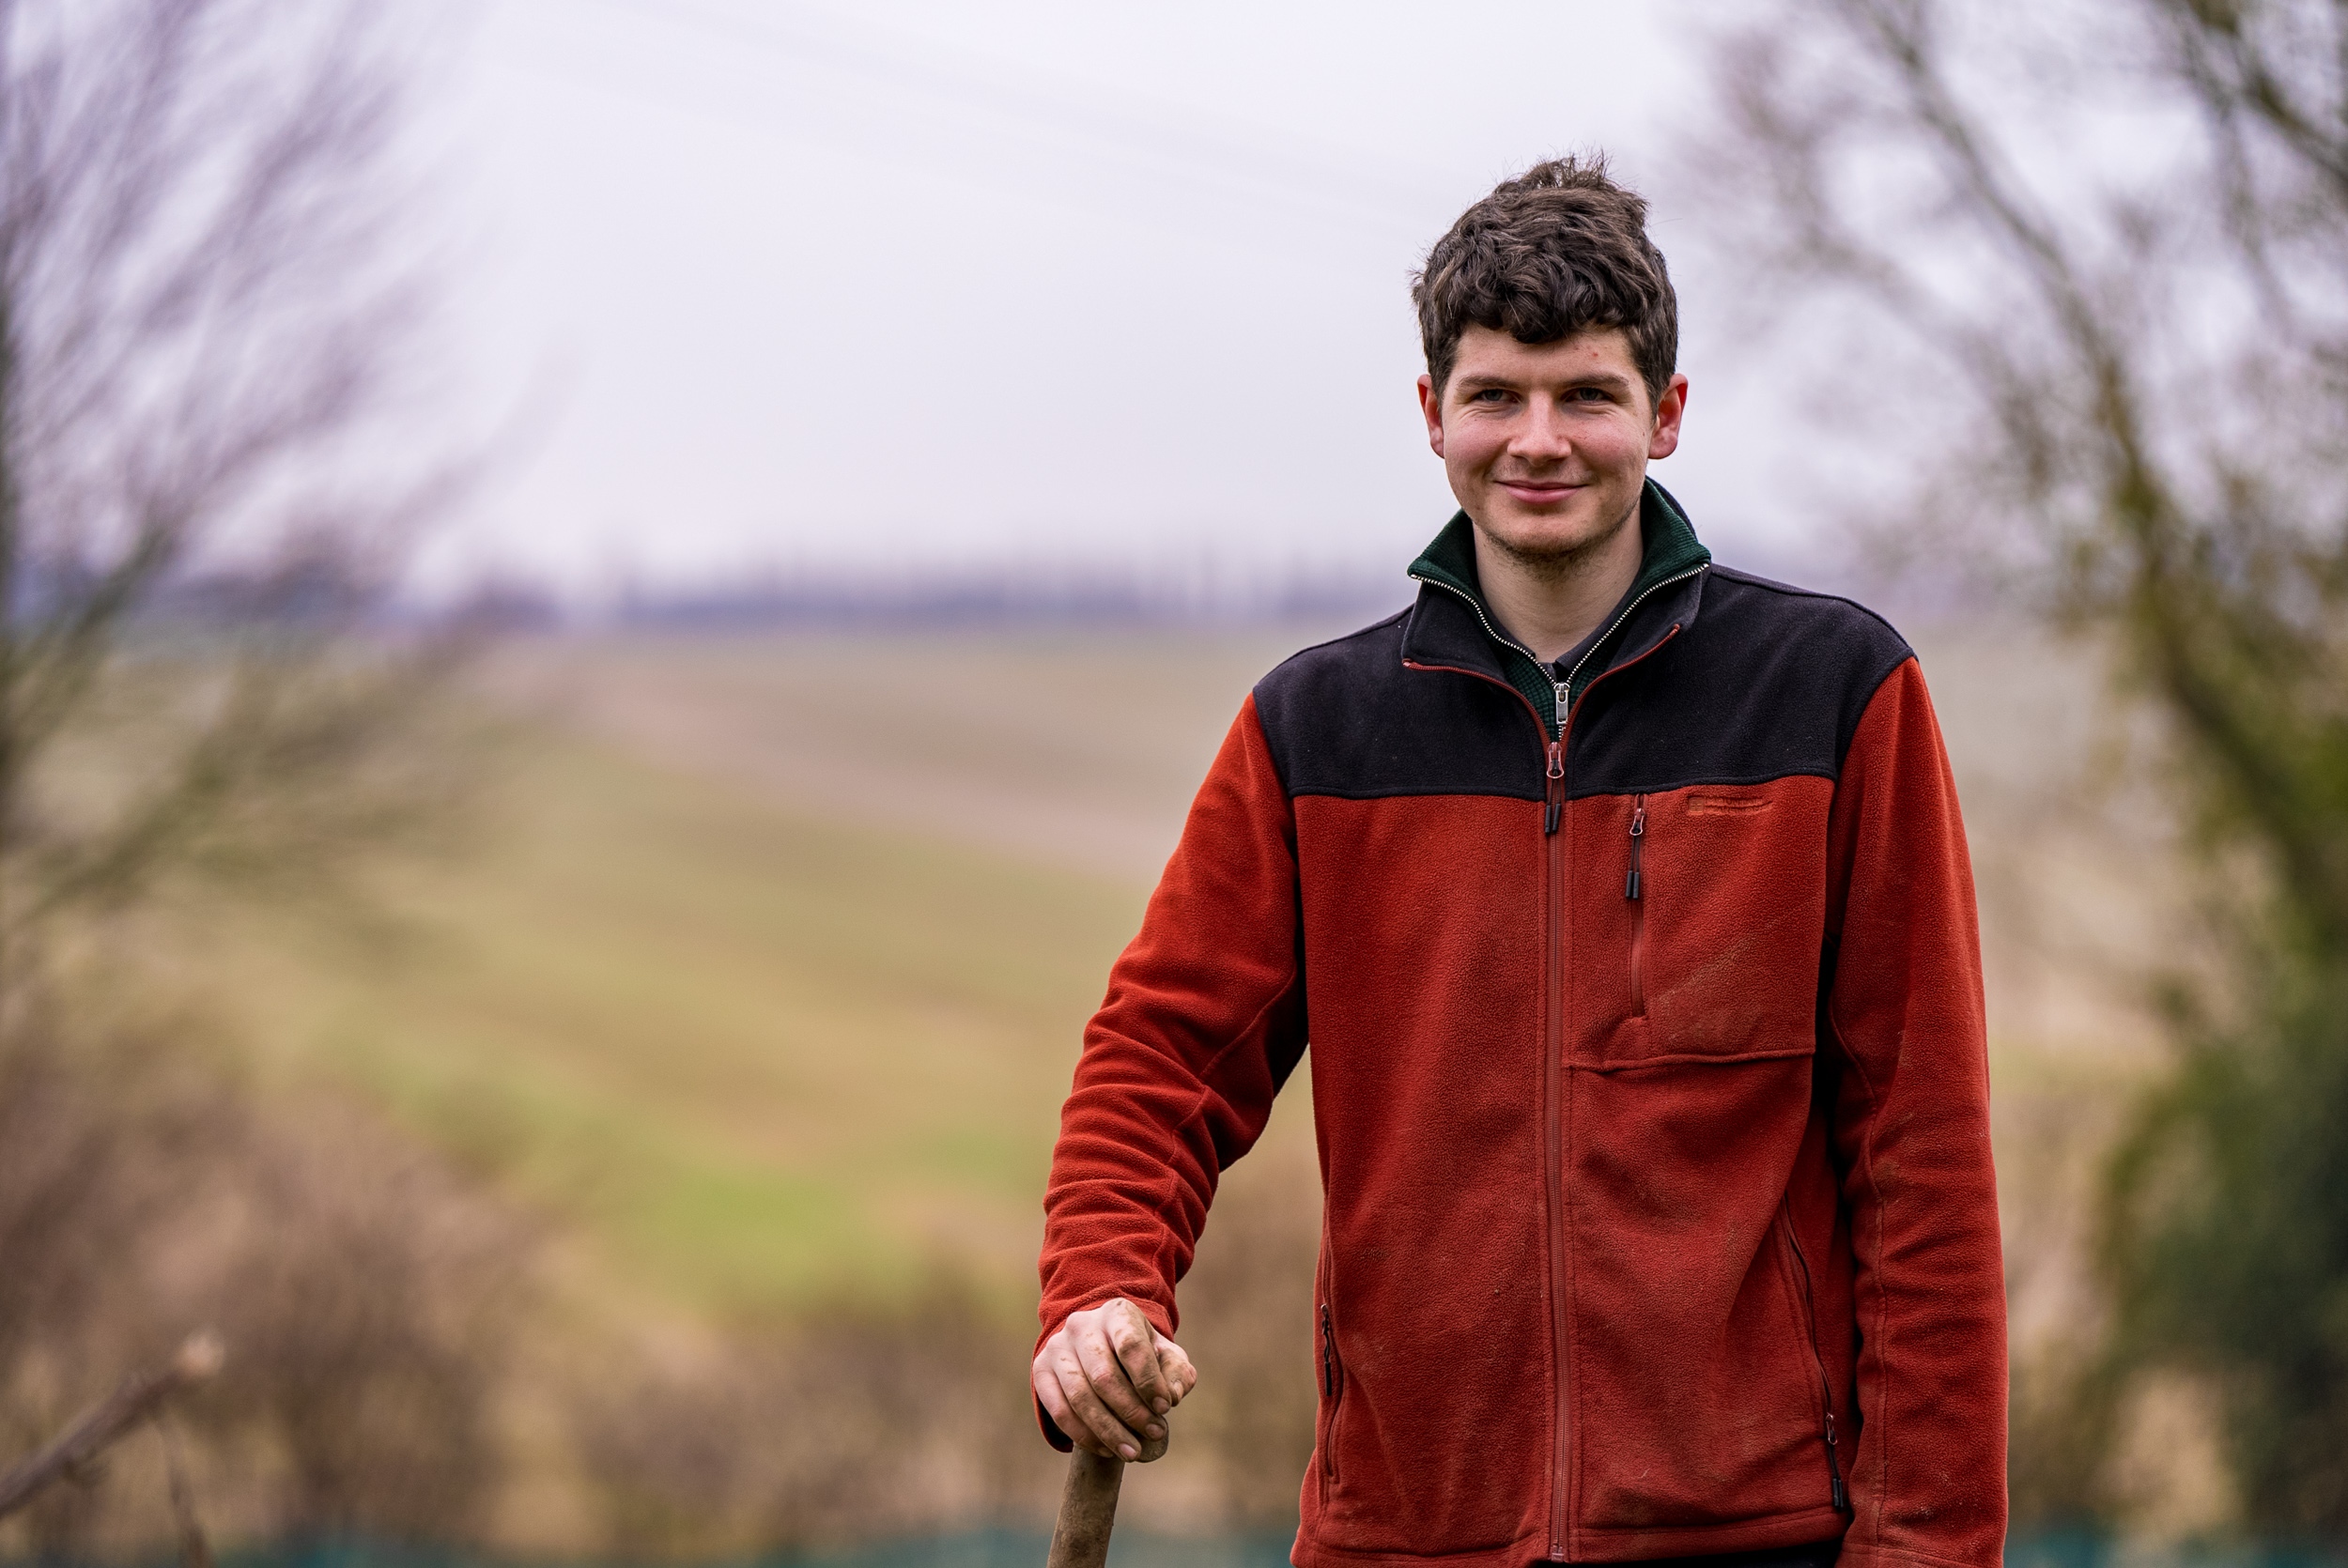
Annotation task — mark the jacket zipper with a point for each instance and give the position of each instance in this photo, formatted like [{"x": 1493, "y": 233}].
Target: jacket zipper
[
  {"x": 1553, "y": 1151},
  {"x": 1494, "y": 633},
  {"x": 1825, "y": 1386},
  {"x": 1565, "y": 687},
  {"x": 1560, "y": 1276},
  {"x": 1652, "y": 588},
  {"x": 1552, "y": 1075},
  {"x": 1331, "y": 1388},
  {"x": 1557, "y": 805},
  {"x": 1553, "y": 1088},
  {"x": 1631, "y": 890}
]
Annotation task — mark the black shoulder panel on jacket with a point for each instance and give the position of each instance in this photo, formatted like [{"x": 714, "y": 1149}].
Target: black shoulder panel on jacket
[
  {"x": 1763, "y": 682},
  {"x": 1768, "y": 681},
  {"x": 1347, "y": 718}
]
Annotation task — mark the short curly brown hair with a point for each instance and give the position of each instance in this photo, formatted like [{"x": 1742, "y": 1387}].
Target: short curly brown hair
[{"x": 1557, "y": 250}]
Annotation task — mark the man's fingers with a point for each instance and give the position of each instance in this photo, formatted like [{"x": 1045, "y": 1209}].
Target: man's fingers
[
  {"x": 1107, "y": 1380},
  {"x": 1084, "y": 1402},
  {"x": 1137, "y": 1345},
  {"x": 1046, "y": 1384},
  {"x": 1092, "y": 1425},
  {"x": 1105, "y": 1372},
  {"x": 1175, "y": 1368}
]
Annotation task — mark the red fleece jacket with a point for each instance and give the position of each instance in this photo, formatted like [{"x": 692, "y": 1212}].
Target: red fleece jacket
[{"x": 1649, "y": 1077}]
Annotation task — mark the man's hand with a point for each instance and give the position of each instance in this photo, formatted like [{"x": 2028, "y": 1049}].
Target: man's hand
[{"x": 1107, "y": 1380}]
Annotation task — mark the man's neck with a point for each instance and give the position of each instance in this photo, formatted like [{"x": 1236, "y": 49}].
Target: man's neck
[{"x": 1550, "y": 605}]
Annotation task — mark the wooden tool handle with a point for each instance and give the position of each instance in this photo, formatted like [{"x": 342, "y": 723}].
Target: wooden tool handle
[{"x": 1088, "y": 1507}]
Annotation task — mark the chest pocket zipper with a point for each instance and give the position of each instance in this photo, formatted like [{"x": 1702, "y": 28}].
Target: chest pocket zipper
[{"x": 1633, "y": 891}]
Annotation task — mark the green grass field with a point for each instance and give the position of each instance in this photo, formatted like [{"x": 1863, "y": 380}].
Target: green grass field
[
  {"x": 754, "y": 1043},
  {"x": 763, "y": 1055}
]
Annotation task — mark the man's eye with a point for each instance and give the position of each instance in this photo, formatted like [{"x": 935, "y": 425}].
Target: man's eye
[
  {"x": 1490, "y": 394},
  {"x": 1589, "y": 395}
]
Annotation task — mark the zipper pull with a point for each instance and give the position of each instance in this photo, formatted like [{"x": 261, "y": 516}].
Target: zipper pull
[
  {"x": 1834, "y": 1469},
  {"x": 1556, "y": 772},
  {"x": 1564, "y": 705},
  {"x": 1328, "y": 1358},
  {"x": 1638, "y": 833}
]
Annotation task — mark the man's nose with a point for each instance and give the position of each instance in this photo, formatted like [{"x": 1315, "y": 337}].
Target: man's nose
[{"x": 1541, "y": 435}]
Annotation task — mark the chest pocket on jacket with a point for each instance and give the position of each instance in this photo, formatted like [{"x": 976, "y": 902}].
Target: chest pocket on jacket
[{"x": 1698, "y": 913}]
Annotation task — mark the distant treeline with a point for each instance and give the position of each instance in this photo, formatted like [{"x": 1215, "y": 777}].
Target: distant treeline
[
  {"x": 996, "y": 594},
  {"x": 975, "y": 600}
]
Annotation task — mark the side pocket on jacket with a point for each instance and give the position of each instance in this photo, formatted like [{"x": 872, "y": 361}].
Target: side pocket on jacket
[
  {"x": 1836, "y": 1494},
  {"x": 1332, "y": 1397}
]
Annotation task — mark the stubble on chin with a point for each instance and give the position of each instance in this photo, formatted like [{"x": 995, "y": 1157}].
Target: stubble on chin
[{"x": 1560, "y": 562}]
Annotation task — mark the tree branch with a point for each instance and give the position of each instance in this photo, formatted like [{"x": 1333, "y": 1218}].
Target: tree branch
[{"x": 99, "y": 1426}]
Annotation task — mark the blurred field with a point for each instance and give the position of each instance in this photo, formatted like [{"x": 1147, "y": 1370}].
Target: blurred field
[
  {"x": 771, "y": 966},
  {"x": 765, "y": 975}
]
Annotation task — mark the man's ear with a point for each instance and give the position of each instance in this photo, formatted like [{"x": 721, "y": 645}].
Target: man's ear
[
  {"x": 1669, "y": 410},
  {"x": 1431, "y": 406}
]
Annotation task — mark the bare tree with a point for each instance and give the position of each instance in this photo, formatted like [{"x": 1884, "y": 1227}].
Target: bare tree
[
  {"x": 211, "y": 305},
  {"x": 206, "y": 302},
  {"x": 2105, "y": 248}
]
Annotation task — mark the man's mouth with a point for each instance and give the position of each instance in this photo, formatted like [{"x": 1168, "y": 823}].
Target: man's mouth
[{"x": 1537, "y": 490}]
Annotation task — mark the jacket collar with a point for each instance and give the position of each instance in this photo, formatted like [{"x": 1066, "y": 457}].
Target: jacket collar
[{"x": 1452, "y": 627}]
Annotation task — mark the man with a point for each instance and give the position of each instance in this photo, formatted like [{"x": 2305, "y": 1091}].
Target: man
[{"x": 1625, "y": 903}]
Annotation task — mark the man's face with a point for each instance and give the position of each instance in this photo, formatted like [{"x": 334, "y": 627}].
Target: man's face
[{"x": 1547, "y": 444}]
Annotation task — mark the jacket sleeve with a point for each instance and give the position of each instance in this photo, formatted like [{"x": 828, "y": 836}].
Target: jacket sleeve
[
  {"x": 1911, "y": 1125},
  {"x": 1203, "y": 1020}
]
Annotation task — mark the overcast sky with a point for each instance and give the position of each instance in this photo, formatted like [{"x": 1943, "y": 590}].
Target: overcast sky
[{"x": 1044, "y": 284}]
